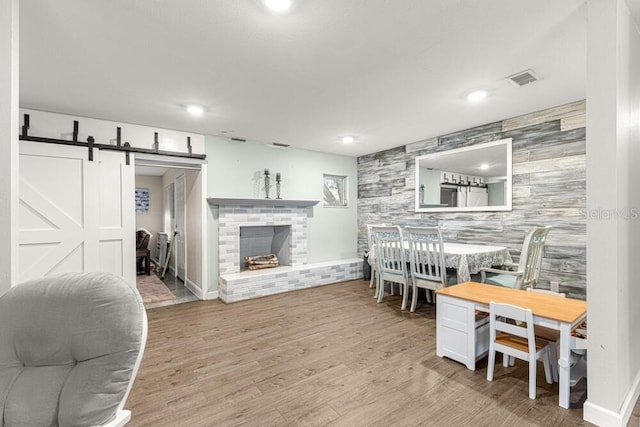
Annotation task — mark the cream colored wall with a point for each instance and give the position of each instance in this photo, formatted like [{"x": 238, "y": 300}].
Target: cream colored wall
[{"x": 152, "y": 221}]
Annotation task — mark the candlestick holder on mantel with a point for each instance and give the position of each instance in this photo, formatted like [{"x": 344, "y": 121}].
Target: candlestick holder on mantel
[
  {"x": 267, "y": 184},
  {"x": 278, "y": 180}
]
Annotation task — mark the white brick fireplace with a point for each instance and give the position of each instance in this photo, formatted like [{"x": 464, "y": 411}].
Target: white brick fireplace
[{"x": 236, "y": 285}]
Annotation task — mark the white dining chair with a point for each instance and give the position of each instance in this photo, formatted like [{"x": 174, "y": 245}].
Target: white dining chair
[
  {"x": 426, "y": 262},
  {"x": 372, "y": 259},
  {"x": 391, "y": 260},
  {"x": 528, "y": 268},
  {"x": 509, "y": 336}
]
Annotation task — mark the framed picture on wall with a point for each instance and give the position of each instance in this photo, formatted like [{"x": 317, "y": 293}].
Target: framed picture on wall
[
  {"x": 142, "y": 200},
  {"x": 335, "y": 191}
]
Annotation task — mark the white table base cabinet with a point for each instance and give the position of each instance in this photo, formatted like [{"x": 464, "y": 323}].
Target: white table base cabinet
[{"x": 461, "y": 334}]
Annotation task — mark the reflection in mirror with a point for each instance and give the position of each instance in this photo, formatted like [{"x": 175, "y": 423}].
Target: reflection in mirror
[{"x": 476, "y": 178}]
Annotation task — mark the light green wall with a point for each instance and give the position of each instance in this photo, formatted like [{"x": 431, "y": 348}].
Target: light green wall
[
  {"x": 235, "y": 170},
  {"x": 496, "y": 193}
]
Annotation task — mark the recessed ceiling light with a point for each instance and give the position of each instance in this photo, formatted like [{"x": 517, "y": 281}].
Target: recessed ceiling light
[
  {"x": 195, "y": 110},
  {"x": 484, "y": 166},
  {"x": 348, "y": 139},
  {"x": 278, "y": 5},
  {"x": 477, "y": 95}
]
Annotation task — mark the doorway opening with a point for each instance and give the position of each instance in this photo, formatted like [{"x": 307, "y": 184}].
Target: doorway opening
[{"x": 171, "y": 211}]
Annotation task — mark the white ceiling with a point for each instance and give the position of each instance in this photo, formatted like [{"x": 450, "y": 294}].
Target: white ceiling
[{"x": 388, "y": 72}]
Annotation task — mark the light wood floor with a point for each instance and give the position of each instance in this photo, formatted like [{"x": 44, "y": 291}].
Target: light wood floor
[{"x": 323, "y": 356}]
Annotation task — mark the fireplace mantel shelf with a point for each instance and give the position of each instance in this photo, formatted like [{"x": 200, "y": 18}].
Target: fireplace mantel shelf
[{"x": 221, "y": 201}]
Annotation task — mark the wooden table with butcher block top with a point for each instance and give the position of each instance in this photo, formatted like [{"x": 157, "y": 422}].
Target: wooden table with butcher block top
[{"x": 463, "y": 334}]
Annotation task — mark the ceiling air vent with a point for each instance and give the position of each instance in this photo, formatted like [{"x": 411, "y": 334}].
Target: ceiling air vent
[
  {"x": 278, "y": 144},
  {"x": 524, "y": 78}
]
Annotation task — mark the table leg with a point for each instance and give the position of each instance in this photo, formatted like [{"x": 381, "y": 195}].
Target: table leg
[{"x": 564, "y": 365}]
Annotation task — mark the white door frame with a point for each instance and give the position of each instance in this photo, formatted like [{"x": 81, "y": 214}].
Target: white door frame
[{"x": 180, "y": 239}]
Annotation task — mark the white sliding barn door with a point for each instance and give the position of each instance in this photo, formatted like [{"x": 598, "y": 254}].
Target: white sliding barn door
[
  {"x": 75, "y": 215},
  {"x": 116, "y": 226}
]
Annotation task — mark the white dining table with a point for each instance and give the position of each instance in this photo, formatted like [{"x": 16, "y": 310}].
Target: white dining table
[
  {"x": 468, "y": 259},
  {"x": 465, "y": 258}
]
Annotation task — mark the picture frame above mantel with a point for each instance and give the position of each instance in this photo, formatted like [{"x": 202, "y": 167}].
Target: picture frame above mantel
[{"x": 226, "y": 201}]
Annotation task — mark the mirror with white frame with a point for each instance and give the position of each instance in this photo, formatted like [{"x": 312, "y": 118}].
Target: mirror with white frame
[{"x": 468, "y": 179}]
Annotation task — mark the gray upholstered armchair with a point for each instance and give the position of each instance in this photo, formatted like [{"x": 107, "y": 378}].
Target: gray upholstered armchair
[{"x": 70, "y": 348}]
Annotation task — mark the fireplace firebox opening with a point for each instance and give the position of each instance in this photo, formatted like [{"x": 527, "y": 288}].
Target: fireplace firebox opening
[{"x": 265, "y": 240}]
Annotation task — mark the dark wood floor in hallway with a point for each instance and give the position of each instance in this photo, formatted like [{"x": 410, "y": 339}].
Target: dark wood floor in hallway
[{"x": 323, "y": 356}]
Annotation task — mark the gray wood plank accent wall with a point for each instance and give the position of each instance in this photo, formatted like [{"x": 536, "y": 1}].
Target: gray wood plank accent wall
[{"x": 549, "y": 188}]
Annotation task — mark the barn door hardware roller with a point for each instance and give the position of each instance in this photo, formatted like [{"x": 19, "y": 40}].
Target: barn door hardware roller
[
  {"x": 126, "y": 153},
  {"x": 25, "y": 126},
  {"x": 91, "y": 145}
]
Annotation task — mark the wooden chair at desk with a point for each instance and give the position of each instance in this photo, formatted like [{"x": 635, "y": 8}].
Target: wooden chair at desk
[
  {"x": 578, "y": 350},
  {"x": 513, "y": 340},
  {"x": 549, "y": 334}
]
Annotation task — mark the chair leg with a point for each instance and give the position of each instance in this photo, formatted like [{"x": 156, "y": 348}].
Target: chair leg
[
  {"x": 532, "y": 379},
  {"x": 380, "y": 290},
  {"x": 506, "y": 360},
  {"x": 414, "y": 299},
  {"x": 405, "y": 295},
  {"x": 491, "y": 362},
  {"x": 373, "y": 277}
]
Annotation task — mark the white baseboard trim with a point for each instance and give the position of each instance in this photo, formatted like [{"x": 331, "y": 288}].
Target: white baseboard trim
[
  {"x": 194, "y": 288},
  {"x": 605, "y": 417},
  {"x": 197, "y": 291}
]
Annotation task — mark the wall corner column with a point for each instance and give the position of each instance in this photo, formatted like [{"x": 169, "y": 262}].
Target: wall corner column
[
  {"x": 613, "y": 223},
  {"x": 9, "y": 123}
]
